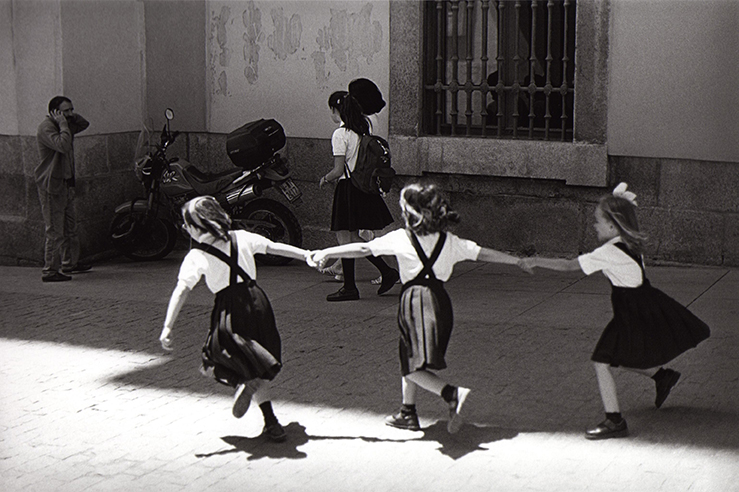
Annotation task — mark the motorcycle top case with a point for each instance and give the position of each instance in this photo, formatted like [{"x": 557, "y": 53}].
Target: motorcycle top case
[{"x": 254, "y": 143}]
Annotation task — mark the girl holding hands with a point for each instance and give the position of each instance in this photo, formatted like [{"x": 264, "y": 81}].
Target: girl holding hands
[
  {"x": 243, "y": 347},
  {"x": 648, "y": 329},
  {"x": 426, "y": 256}
]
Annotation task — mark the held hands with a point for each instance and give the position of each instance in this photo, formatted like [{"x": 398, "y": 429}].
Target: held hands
[
  {"x": 165, "y": 339},
  {"x": 527, "y": 264},
  {"x": 316, "y": 259}
]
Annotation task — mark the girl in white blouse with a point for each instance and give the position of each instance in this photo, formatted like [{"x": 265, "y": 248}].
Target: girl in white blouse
[
  {"x": 243, "y": 347},
  {"x": 426, "y": 256},
  {"x": 648, "y": 328}
]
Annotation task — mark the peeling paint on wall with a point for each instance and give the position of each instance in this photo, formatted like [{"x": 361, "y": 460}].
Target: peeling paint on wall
[
  {"x": 252, "y": 18},
  {"x": 286, "y": 38},
  {"x": 351, "y": 39},
  {"x": 218, "y": 26}
]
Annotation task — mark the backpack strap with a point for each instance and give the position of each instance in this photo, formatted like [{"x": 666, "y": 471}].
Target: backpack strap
[
  {"x": 428, "y": 262},
  {"x": 232, "y": 261}
]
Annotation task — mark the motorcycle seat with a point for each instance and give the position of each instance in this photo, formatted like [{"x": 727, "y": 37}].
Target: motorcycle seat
[
  {"x": 205, "y": 178},
  {"x": 210, "y": 183}
]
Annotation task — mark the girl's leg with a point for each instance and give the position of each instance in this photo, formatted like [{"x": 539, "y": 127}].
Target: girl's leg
[
  {"x": 614, "y": 425},
  {"x": 664, "y": 379},
  {"x": 455, "y": 396},
  {"x": 607, "y": 386},
  {"x": 348, "y": 291},
  {"x": 406, "y": 418},
  {"x": 263, "y": 398}
]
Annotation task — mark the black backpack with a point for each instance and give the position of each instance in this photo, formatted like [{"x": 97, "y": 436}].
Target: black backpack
[{"x": 373, "y": 172}]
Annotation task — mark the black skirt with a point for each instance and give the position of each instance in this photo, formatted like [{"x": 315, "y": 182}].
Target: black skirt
[
  {"x": 648, "y": 329},
  {"x": 425, "y": 320},
  {"x": 243, "y": 342},
  {"x": 353, "y": 209}
]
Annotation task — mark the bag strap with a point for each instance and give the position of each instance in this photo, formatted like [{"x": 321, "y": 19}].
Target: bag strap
[
  {"x": 232, "y": 261},
  {"x": 428, "y": 262}
]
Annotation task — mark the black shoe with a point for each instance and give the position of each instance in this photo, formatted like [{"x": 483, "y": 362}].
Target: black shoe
[
  {"x": 388, "y": 281},
  {"x": 343, "y": 295},
  {"x": 608, "y": 429},
  {"x": 403, "y": 421},
  {"x": 665, "y": 383},
  {"x": 275, "y": 432},
  {"x": 79, "y": 267},
  {"x": 55, "y": 277}
]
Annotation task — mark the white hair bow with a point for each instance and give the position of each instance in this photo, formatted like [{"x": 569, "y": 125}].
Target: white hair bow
[{"x": 620, "y": 191}]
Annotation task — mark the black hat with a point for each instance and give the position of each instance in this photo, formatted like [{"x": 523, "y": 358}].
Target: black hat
[{"x": 367, "y": 94}]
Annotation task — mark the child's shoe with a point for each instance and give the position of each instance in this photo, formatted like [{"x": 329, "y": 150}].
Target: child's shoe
[
  {"x": 275, "y": 432},
  {"x": 455, "y": 410},
  {"x": 608, "y": 429},
  {"x": 402, "y": 420},
  {"x": 665, "y": 379},
  {"x": 242, "y": 398}
]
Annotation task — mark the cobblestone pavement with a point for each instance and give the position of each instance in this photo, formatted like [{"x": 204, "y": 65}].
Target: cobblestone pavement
[{"x": 88, "y": 400}]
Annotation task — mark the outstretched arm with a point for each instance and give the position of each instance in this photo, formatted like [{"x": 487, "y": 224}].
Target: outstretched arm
[
  {"x": 350, "y": 250},
  {"x": 493, "y": 256},
  {"x": 559, "y": 264},
  {"x": 176, "y": 301},
  {"x": 287, "y": 250}
]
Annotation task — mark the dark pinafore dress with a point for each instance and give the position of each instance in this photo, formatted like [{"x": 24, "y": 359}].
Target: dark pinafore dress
[
  {"x": 425, "y": 316},
  {"x": 243, "y": 342},
  {"x": 648, "y": 328}
]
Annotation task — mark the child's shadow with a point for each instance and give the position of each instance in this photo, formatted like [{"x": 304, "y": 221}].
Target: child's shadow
[{"x": 467, "y": 440}]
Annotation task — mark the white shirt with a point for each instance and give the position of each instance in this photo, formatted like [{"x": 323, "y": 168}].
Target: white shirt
[
  {"x": 620, "y": 268},
  {"x": 397, "y": 243},
  {"x": 345, "y": 142},
  {"x": 198, "y": 263}
]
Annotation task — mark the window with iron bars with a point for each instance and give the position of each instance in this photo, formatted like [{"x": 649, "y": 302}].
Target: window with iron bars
[{"x": 500, "y": 69}]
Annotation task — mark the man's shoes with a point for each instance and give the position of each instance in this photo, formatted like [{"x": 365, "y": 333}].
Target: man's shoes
[
  {"x": 608, "y": 429},
  {"x": 242, "y": 398},
  {"x": 408, "y": 421},
  {"x": 665, "y": 382},
  {"x": 343, "y": 294},
  {"x": 275, "y": 432},
  {"x": 388, "y": 281},
  {"x": 79, "y": 267},
  {"x": 455, "y": 410},
  {"x": 55, "y": 277}
]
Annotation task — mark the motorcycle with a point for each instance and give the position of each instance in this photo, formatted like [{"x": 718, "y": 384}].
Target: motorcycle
[{"x": 147, "y": 228}]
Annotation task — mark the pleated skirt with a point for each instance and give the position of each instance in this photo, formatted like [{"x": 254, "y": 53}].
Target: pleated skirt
[
  {"x": 243, "y": 342},
  {"x": 425, "y": 320},
  {"x": 648, "y": 329},
  {"x": 354, "y": 209}
]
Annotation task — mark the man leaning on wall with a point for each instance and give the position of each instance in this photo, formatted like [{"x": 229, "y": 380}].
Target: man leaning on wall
[{"x": 55, "y": 180}]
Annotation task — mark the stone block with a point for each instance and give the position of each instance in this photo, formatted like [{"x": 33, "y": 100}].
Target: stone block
[
  {"x": 11, "y": 159},
  {"x": 683, "y": 236},
  {"x": 13, "y": 195},
  {"x": 730, "y": 245},
  {"x": 308, "y": 159},
  {"x": 29, "y": 154},
  {"x": 121, "y": 149},
  {"x": 23, "y": 243},
  {"x": 522, "y": 225},
  {"x": 91, "y": 156},
  {"x": 641, "y": 174},
  {"x": 697, "y": 185}
]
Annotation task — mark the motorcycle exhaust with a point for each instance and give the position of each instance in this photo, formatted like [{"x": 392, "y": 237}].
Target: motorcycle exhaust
[{"x": 243, "y": 193}]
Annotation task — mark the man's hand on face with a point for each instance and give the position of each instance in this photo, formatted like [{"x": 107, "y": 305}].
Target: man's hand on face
[{"x": 57, "y": 115}]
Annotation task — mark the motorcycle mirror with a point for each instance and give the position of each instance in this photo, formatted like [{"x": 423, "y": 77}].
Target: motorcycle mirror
[{"x": 169, "y": 114}]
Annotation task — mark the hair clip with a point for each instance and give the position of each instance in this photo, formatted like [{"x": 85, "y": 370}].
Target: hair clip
[{"x": 620, "y": 192}]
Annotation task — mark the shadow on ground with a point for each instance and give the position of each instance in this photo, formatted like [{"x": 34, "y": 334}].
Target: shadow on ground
[{"x": 469, "y": 439}]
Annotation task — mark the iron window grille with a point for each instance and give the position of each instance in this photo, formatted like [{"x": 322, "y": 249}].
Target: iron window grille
[{"x": 500, "y": 69}]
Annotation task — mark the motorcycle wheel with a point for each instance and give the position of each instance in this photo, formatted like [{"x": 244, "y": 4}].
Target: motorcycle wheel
[
  {"x": 272, "y": 220},
  {"x": 143, "y": 238}
]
